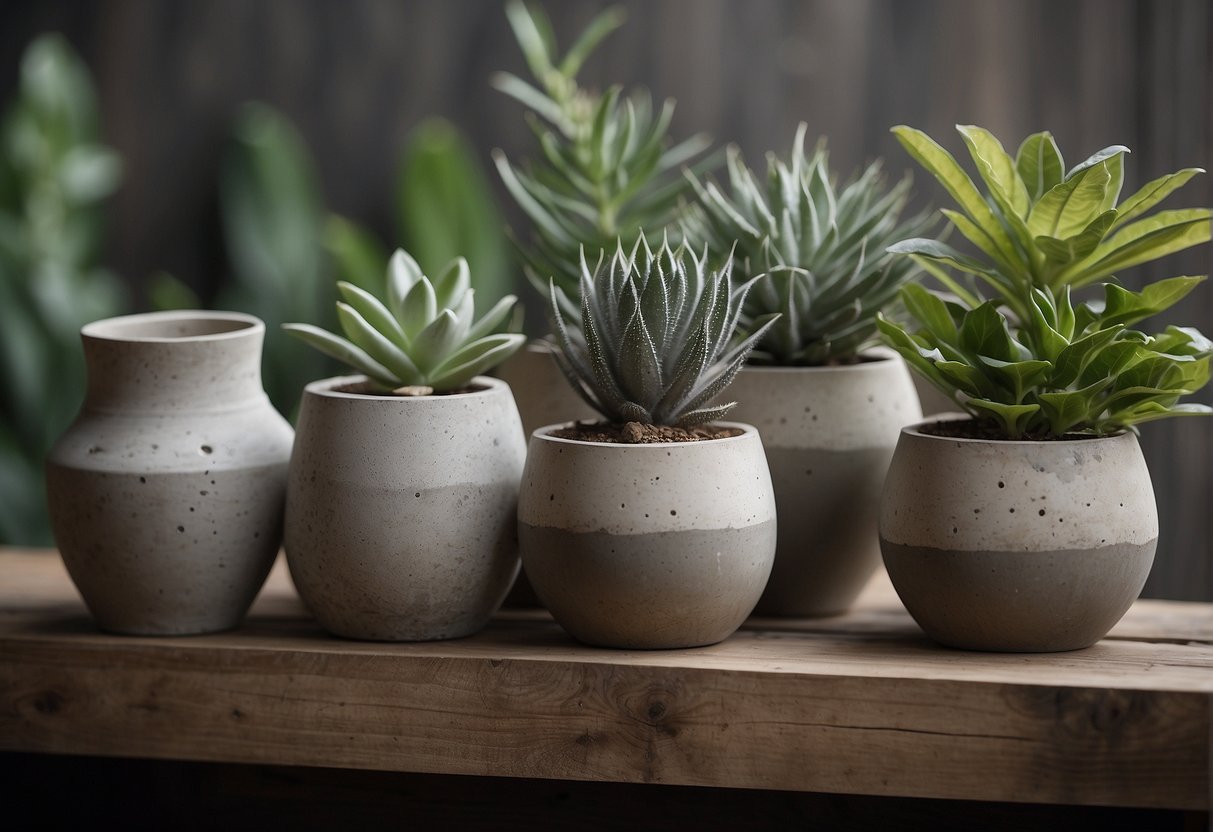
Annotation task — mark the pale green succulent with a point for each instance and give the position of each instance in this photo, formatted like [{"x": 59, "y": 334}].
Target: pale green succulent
[
  {"x": 654, "y": 342},
  {"x": 822, "y": 248},
  {"x": 424, "y": 335}
]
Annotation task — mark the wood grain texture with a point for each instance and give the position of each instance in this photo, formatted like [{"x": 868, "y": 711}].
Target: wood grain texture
[{"x": 859, "y": 704}]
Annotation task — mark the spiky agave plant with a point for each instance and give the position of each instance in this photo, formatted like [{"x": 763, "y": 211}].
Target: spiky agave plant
[
  {"x": 424, "y": 337},
  {"x": 823, "y": 249},
  {"x": 608, "y": 167},
  {"x": 654, "y": 342}
]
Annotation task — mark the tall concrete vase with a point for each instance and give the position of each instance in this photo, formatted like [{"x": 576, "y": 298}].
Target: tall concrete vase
[
  {"x": 1018, "y": 546},
  {"x": 166, "y": 493},
  {"x": 401, "y": 511}
]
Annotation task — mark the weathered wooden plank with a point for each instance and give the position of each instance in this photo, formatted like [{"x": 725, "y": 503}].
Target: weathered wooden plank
[{"x": 859, "y": 711}]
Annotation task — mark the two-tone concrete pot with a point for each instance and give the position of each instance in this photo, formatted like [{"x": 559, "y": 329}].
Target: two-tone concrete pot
[
  {"x": 647, "y": 546},
  {"x": 166, "y": 493},
  {"x": 829, "y": 434},
  {"x": 401, "y": 511},
  {"x": 1018, "y": 546}
]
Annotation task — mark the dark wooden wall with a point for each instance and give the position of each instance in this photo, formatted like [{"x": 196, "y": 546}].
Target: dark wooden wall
[{"x": 356, "y": 75}]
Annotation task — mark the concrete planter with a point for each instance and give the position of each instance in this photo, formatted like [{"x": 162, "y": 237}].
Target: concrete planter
[
  {"x": 1018, "y": 546},
  {"x": 647, "y": 546},
  {"x": 829, "y": 434},
  {"x": 400, "y": 516},
  {"x": 166, "y": 493}
]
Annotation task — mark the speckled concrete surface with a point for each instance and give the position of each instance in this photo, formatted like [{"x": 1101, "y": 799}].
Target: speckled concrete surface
[
  {"x": 400, "y": 520},
  {"x": 648, "y": 546},
  {"x": 166, "y": 494},
  {"x": 829, "y": 434},
  {"x": 1018, "y": 546}
]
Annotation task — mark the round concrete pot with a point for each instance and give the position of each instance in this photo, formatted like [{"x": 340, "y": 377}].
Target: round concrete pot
[
  {"x": 1018, "y": 546},
  {"x": 543, "y": 396},
  {"x": 829, "y": 434},
  {"x": 401, "y": 512},
  {"x": 166, "y": 493},
  {"x": 647, "y": 546}
]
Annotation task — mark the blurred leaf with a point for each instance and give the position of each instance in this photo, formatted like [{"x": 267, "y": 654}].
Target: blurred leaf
[
  {"x": 273, "y": 219},
  {"x": 166, "y": 291},
  {"x": 446, "y": 209},
  {"x": 53, "y": 171},
  {"x": 89, "y": 173},
  {"x": 358, "y": 255}
]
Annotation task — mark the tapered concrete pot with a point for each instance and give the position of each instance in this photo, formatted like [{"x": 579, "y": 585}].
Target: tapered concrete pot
[
  {"x": 401, "y": 511},
  {"x": 1018, "y": 546},
  {"x": 543, "y": 396},
  {"x": 647, "y": 546},
  {"x": 829, "y": 434},
  {"x": 166, "y": 493}
]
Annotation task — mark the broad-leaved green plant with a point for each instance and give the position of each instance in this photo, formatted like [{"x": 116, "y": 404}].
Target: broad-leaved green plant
[{"x": 1034, "y": 358}]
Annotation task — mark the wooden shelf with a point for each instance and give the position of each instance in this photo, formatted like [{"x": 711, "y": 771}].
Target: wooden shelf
[{"x": 857, "y": 704}]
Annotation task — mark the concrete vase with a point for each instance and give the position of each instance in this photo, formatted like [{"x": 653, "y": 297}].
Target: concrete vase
[
  {"x": 647, "y": 546},
  {"x": 829, "y": 434},
  {"x": 401, "y": 512},
  {"x": 166, "y": 493},
  {"x": 1018, "y": 546}
]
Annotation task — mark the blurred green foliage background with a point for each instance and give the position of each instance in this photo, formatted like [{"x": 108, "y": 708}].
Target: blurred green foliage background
[{"x": 283, "y": 245}]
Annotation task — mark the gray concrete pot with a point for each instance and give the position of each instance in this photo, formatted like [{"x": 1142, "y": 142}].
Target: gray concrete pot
[
  {"x": 647, "y": 546},
  {"x": 401, "y": 512},
  {"x": 829, "y": 434},
  {"x": 166, "y": 493},
  {"x": 1018, "y": 546}
]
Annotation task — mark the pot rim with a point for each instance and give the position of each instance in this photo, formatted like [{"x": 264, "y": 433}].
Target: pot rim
[
  {"x": 544, "y": 433},
  {"x": 110, "y": 329},
  {"x": 324, "y": 388},
  {"x": 880, "y": 359},
  {"x": 915, "y": 429}
]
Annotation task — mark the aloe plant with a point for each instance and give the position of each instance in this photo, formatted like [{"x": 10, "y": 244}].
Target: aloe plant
[
  {"x": 608, "y": 168},
  {"x": 821, "y": 247},
  {"x": 1034, "y": 359},
  {"x": 423, "y": 337},
  {"x": 653, "y": 342}
]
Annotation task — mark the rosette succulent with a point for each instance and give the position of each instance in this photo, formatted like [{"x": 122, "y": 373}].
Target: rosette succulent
[
  {"x": 821, "y": 247},
  {"x": 1034, "y": 359},
  {"x": 654, "y": 339},
  {"x": 423, "y": 336}
]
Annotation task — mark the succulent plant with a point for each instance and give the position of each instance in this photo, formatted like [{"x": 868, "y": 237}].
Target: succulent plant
[
  {"x": 1032, "y": 359},
  {"x": 423, "y": 336},
  {"x": 654, "y": 340},
  {"x": 608, "y": 168},
  {"x": 822, "y": 248}
]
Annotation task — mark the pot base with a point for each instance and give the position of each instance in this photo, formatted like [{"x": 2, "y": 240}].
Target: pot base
[
  {"x": 654, "y": 591},
  {"x": 1018, "y": 602}
]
